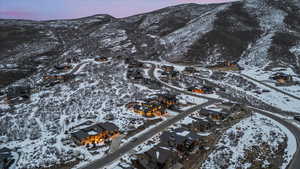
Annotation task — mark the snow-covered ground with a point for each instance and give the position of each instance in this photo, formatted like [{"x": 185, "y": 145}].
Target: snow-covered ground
[
  {"x": 37, "y": 128},
  {"x": 263, "y": 76},
  {"x": 157, "y": 75},
  {"x": 254, "y": 132},
  {"x": 274, "y": 98}
]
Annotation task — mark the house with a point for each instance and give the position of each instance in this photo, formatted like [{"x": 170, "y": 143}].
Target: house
[
  {"x": 225, "y": 66},
  {"x": 150, "y": 110},
  {"x": 182, "y": 140},
  {"x": 134, "y": 64},
  {"x": 200, "y": 125},
  {"x": 63, "y": 67},
  {"x": 131, "y": 104},
  {"x": 195, "y": 90},
  {"x": 154, "y": 106},
  {"x": 22, "y": 91},
  {"x": 167, "y": 69},
  {"x": 101, "y": 59},
  {"x": 58, "y": 78},
  {"x": 189, "y": 70},
  {"x": 201, "y": 90},
  {"x": 151, "y": 83},
  {"x": 156, "y": 158},
  {"x": 167, "y": 99},
  {"x": 96, "y": 133},
  {"x": 174, "y": 75},
  {"x": 282, "y": 79},
  {"x": 232, "y": 107},
  {"x": 135, "y": 74},
  {"x": 208, "y": 89},
  {"x": 214, "y": 115}
]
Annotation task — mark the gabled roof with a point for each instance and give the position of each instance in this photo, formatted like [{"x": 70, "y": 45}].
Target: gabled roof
[
  {"x": 79, "y": 135},
  {"x": 160, "y": 154},
  {"x": 108, "y": 126},
  {"x": 4, "y": 150},
  {"x": 94, "y": 130},
  {"x": 210, "y": 111}
]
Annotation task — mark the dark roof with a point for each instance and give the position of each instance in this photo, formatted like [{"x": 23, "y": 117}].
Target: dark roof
[
  {"x": 61, "y": 66},
  {"x": 100, "y": 57},
  {"x": 160, "y": 154},
  {"x": 210, "y": 111},
  {"x": 173, "y": 137},
  {"x": 167, "y": 96},
  {"x": 98, "y": 128},
  {"x": 108, "y": 126},
  {"x": 4, "y": 150},
  {"x": 189, "y": 69},
  {"x": 79, "y": 135}
]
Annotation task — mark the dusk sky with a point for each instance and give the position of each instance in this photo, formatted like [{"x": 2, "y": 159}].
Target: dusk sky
[{"x": 67, "y": 9}]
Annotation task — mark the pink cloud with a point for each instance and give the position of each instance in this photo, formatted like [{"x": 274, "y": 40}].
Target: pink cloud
[{"x": 16, "y": 14}]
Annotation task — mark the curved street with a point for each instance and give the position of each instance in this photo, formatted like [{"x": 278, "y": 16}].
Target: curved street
[
  {"x": 100, "y": 163},
  {"x": 271, "y": 87},
  {"x": 294, "y": 164},
  {"x": 110, "y": 158}
]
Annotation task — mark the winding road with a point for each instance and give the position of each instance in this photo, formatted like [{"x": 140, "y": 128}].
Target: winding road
[
  {"x": 100, "y": 163},
  {"x": 271, "y": 87},
  {"x": 110, "y": 158}
]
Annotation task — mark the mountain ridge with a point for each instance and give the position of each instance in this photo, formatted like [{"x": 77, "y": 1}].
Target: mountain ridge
[{"x": 253, "y": 33}]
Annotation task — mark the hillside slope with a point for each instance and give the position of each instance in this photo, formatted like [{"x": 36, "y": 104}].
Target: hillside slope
[{"x": 259, "y": 33}]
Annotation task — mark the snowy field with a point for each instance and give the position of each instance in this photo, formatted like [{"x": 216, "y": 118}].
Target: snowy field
[
  {"x": 39, "y": 127},
  {"x": 234, "y": 148},
  {"x": 263, "y": 76},
  {"x": 273, "y": 97}
]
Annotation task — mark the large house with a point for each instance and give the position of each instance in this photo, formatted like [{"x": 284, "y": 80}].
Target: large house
[
  {"x": 96, "y": 133},
  {"x": 51, "y": 80},
  {"x": 189, "y": 70},
  {"x": 167, "y": 68},
  {"x": 63, "y": 67},
  {"x": 155, "y": 106},
  {"x": 201, "y": 90},
  {"x": 225, "y": 66},
  {"x": 200, "y": 125},
  {"x": 134, "y": 63},
  {"x": 150, "y": 110},
  {"x": 214, "y": 115},
  {"x": 156, "y": 158},
  {"x": 101, "y": 59},
  {"x": 167, "y": 99},
  {"x": 135, "y": 74},
  {"x": 232, "y": 107},
  {"x": 282, "y": 79}
]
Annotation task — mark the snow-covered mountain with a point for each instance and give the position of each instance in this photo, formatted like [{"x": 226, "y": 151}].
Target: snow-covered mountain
[
  {"x": 253, "y": 32},
  {"x": 257, "y": 34}
]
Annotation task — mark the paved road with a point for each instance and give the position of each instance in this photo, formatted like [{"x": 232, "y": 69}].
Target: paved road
[
  {"x": 142, "y": 138},
  {"x": 271, "y": 87},
  {"x": 295, "y": 163},
  {"x": 100, "y": 163},
  {"x": 77, "y": 67},
  {"x": 151, "y": 74}
]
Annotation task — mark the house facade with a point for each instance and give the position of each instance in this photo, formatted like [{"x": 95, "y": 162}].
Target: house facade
[{"x": 96, "y": 133}]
